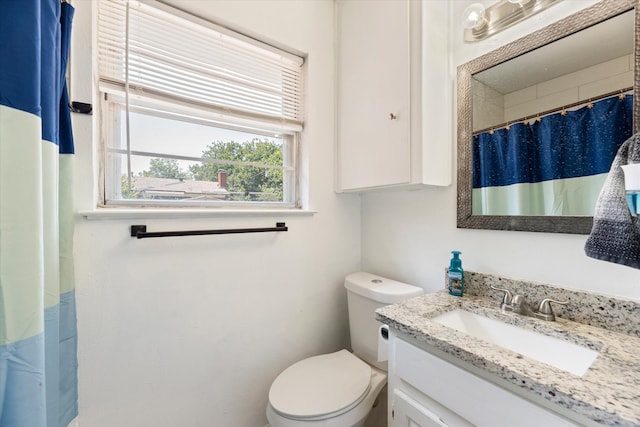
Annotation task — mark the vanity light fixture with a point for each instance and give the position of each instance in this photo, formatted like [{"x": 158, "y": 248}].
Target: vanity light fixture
[{"x": 481, "y": 22}]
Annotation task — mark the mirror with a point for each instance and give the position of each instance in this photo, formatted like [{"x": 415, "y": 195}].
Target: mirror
[{"x": 540, "y": 56}]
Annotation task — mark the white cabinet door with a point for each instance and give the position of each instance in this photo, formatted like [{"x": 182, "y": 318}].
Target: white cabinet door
[
  {"x": 394, "y": 86},
  {"x": 409, "y": 413},
  {"x": 373, "y": 93}
]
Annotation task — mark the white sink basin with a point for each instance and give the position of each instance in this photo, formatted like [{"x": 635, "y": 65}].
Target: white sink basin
[{"x": 563, "y": 355}]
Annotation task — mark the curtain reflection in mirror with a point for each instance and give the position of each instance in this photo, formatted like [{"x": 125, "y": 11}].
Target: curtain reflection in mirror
[{"x": 555, "y": 165}]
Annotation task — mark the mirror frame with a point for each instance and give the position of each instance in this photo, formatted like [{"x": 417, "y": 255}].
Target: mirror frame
[{"x": 592, "y": 15}]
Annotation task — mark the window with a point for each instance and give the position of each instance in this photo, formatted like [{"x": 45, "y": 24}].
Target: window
[{"x": 193, "y": 114}]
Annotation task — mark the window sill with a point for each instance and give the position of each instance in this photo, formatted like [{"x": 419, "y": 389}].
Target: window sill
[{"x": 155, "y": 213}]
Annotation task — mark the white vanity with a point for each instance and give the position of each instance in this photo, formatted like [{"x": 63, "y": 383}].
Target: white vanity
[
  {"x": 428, "y": 390},
  {"x": 442, "y": 376}
]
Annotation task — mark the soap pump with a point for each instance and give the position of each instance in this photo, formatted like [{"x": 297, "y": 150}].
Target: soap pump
[{"x": 455, "y": 275}]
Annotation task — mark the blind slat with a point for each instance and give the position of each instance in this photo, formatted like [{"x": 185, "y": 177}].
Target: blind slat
[
  {"x": 252, "y": 122},
  {"x": 169, "y": 54}
]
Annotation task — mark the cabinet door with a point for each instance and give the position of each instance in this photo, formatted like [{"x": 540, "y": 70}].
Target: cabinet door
[
  {"x": 409, "y": 413},
  {"x": 373, "y": 93}
]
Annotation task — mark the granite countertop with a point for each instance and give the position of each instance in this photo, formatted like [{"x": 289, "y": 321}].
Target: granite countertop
[{"x": 608, "y": 393}]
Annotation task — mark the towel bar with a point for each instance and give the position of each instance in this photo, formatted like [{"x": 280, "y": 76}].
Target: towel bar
[{"x": 140, "y": 231}]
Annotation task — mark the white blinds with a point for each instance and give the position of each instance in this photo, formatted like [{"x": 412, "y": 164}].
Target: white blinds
[{"x": 173, "y": 58}]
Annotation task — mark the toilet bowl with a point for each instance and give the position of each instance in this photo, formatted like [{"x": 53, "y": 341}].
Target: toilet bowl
[{"x": 339, "y": 389}]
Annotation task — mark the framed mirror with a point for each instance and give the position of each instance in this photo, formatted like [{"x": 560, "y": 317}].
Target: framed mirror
[{"x": 520, "y": 70}]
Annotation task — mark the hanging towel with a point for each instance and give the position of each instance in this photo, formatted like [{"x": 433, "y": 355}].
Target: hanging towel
[{"x": 615, "y": 236}]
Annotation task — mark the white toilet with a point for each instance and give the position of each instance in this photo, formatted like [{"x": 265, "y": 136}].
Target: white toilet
[{"x": 339, "y": 389}]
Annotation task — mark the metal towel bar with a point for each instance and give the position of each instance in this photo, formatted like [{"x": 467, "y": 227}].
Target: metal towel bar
[{"x": 140, "y": 231}]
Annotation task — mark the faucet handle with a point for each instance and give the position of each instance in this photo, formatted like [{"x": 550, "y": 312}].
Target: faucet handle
[
  {"x": 506, "y": 298},
  {"x": 544, "y": 309}
]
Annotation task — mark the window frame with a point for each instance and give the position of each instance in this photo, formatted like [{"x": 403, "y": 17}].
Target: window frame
[{"x": 114, "y": 100}]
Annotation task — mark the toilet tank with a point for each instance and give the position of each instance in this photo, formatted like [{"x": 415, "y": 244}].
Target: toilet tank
[{"x": 365, "y": 293}]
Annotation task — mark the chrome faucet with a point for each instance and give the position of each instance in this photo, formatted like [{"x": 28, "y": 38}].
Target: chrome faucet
[{"x": 517, "y": 304}]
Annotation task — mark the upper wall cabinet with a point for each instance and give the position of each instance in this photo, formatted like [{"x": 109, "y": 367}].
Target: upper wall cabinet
[{"x": 394, "y": 94}]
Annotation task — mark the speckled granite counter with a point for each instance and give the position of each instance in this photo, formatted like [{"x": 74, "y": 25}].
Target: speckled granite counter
[{"x": 608, "y": 393}]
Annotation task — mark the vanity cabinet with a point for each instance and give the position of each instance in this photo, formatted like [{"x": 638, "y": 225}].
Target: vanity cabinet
[
  {"x": 426, "y": 390},
  {"x": 393, "y": 94}
]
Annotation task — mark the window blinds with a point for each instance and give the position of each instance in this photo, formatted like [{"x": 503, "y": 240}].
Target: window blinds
[{"x": 151, "y": 51}]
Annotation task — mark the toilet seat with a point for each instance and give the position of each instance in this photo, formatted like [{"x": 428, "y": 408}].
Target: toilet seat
[{"x": 320, "y": 387}]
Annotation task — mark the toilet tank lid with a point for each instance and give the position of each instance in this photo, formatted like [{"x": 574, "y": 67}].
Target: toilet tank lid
[{"x": 380, "y": 289}]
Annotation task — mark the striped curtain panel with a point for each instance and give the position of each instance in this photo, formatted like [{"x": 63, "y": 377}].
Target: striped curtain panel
[
  {"x": 554, "y": 166},
  {"x": 38, "y": 338}
]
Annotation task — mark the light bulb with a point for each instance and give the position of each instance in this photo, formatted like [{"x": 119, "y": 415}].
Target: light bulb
[{"x": 474, "y": 16}]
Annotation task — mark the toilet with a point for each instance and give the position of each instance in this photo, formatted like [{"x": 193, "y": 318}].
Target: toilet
[{"x": 339, "y": 389}]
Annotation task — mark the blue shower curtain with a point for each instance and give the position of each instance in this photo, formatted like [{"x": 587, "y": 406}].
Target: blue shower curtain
[
  {"x": 38, "y": 337},
  {"x": 554, "y": 166}
]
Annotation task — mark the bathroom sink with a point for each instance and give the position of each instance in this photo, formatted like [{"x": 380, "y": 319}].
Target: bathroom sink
[{"x": 561, "y": 354}]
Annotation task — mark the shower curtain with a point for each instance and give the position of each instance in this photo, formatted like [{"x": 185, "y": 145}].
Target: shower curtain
[
  {"x": 552, "y": 166},
  {"x": 38, "y": 338}
]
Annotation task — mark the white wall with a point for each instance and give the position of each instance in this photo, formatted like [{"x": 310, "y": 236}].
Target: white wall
[
  {"x": 408, "y": 235},
  {"x": 192, "y": 331}
]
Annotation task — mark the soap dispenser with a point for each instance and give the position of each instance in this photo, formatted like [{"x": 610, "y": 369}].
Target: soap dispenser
[{"x": 455, "y": 275}]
